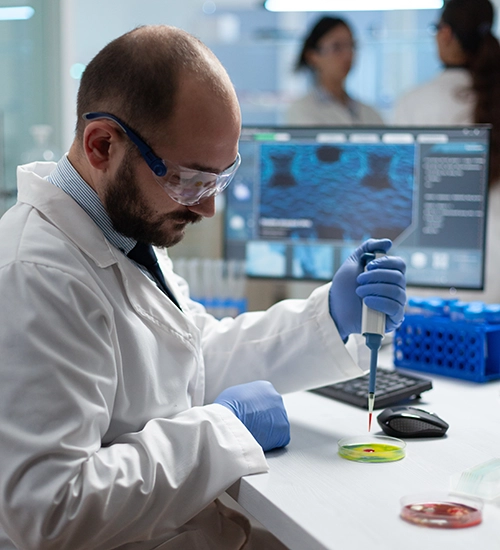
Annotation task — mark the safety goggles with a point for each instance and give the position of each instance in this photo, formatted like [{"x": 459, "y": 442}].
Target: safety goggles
[{"x": 184, "y": 185}]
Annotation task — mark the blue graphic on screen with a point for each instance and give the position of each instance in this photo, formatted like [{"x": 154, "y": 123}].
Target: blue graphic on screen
[
  {"x": 305, "y": 198},
  {"x": 312, "y": 262},
  {"x": 266, "y": 259},
  {"x": 323, "y": 186}
]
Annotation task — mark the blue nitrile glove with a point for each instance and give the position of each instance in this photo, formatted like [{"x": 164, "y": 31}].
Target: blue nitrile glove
[
  {"x": 383, "y": 286},
  {"x": 260, "y": 407}
]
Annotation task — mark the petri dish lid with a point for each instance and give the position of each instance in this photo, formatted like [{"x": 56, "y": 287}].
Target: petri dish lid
[
  {"x": 481, "y": 481},
  {"x": 371, "y": 448},
  {"x": 441, "y": 510}
]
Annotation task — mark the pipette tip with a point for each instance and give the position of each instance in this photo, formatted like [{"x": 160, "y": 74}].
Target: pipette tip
[{"x": 371, "y": 402}]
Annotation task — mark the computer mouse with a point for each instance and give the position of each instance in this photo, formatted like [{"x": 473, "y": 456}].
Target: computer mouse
[{"x": 407, "y": 421}]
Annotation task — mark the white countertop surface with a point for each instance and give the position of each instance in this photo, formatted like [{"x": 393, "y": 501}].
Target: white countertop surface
[{"x": 313, "y": 499}]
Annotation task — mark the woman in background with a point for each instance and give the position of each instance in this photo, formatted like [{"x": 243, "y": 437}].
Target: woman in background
[
  {"x": 467, "y": 91},
  {"x": 328, "y": 52}
]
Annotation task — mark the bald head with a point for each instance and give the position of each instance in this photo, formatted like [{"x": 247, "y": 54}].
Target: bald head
[{"x": 138, "y": 77}]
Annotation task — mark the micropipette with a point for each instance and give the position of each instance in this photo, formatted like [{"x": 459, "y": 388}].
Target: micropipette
[{"x": 373, "y": 329}]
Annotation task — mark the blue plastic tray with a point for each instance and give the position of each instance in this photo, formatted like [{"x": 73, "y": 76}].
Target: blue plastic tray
[{"x": 460, "y": 349}]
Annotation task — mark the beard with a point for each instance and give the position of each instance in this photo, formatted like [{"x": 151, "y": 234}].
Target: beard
[{"x": 133, "y": 217}]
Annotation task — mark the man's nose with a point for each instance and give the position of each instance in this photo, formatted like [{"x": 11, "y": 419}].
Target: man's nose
[{"x": 205, "y": 208}]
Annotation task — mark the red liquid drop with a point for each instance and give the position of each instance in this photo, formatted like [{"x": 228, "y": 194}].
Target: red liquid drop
[{"x": 368, "y": 450}]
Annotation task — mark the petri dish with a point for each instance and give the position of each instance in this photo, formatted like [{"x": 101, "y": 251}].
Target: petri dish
[
  {"x": 372, "y": 448},
  {"x": 441, "y": 511}
]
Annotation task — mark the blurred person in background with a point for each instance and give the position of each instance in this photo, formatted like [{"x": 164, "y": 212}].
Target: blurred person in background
[{"x": 328, "y": 52}]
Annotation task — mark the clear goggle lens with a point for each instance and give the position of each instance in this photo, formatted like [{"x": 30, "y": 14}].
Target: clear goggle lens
[{"x": 189, "y": 187}]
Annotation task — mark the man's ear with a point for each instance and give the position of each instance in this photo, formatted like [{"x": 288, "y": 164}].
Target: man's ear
[{"x": 99, "y": 142}]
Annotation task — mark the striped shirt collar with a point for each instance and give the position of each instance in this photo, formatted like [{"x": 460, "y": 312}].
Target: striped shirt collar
[{"x": 69, "y": 180}]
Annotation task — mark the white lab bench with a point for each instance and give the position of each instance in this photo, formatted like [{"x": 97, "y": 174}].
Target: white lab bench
[{"x": 312, "y": 499}]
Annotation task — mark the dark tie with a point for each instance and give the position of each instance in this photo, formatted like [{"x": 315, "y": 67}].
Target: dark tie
[{"x": 144, "y": 255}]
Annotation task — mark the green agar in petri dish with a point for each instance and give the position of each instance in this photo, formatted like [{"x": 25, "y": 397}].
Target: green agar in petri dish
[{"x": 372, "y": 449}]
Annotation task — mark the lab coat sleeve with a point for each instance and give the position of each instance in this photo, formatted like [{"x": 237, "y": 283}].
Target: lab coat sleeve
[
  {"x": 60, "y": 486},
  {"x": 294, "y": 344}
]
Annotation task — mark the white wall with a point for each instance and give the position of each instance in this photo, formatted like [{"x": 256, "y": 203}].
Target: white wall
[{"x": 88, "y": 25}]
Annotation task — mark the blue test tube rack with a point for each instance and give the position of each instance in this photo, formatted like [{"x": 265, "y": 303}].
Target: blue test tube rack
[{"x": 466, "y": 347}]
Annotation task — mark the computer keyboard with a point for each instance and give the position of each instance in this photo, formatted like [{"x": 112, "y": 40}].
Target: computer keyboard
[{"x": 392, "y": 387}]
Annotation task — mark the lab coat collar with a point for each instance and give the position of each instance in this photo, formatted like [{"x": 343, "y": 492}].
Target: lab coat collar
[{"x": 65, "y": 213}]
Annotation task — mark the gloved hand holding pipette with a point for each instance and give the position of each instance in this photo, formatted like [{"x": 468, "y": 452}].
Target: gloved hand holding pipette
[
  {"x": 382, "y": 287},
  {"x": 379, "y": 280}
]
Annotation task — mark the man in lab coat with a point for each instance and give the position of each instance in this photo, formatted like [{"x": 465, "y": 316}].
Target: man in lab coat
[{"x": 125, "y": 409}]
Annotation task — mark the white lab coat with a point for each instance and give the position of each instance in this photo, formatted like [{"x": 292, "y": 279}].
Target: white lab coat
[
  {"x": 318, "y": 109},
  {"x": 108, "y": 436},
  {"x": 446, "y": 100}
]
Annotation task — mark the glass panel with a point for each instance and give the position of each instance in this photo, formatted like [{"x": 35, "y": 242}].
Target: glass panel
[{"x": 30, "y": 86}]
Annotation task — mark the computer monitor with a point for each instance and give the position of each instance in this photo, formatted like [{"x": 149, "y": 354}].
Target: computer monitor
[{"x": 304, "y": 198}]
